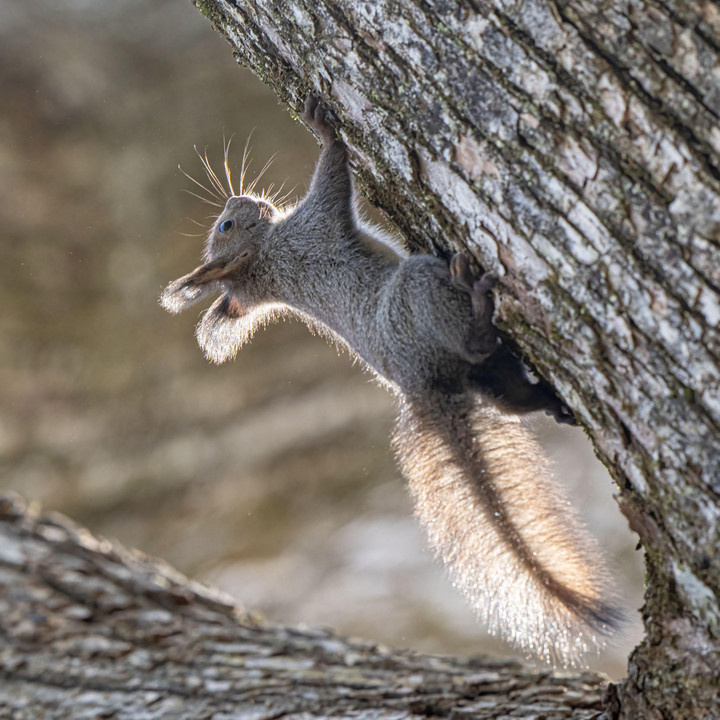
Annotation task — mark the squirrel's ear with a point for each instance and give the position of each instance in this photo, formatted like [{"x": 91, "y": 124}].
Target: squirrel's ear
[{"x": 193, "y": 287}]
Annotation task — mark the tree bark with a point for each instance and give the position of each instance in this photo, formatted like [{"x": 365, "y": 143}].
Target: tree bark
[
  {"x": 90, "y": 630},
  {"x": 572, "y": 148}
]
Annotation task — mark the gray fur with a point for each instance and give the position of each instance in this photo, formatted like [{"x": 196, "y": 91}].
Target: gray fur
[{"x": 479, "y": 480}]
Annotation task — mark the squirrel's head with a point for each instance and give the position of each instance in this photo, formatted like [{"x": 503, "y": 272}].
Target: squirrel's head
[
  {"x": 232, "y": 245},
  {"x": 234, "y": 242},
  {"x": 239, "y": 228},
  {"x": 232, "y": 248}
]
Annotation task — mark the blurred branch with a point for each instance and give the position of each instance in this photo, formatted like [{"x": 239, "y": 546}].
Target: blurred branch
[
  {"x": 572, "y": 148},
  {"x": 91, "y": 630}
]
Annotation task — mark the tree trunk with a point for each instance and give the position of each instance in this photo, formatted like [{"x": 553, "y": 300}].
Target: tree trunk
[
  {"x": 573, "y": 149},
  {"x": 90, "y": 630}
]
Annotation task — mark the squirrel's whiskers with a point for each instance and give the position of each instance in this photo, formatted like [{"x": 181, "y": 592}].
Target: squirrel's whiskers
[{"x": 218, "y": 194}]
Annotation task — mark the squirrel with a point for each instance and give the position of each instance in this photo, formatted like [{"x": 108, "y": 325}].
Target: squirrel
[{"x": 480, "y": 483}]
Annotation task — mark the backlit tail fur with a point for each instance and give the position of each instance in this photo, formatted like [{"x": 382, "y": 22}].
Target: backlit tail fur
[{"x": 512, "y": 542}]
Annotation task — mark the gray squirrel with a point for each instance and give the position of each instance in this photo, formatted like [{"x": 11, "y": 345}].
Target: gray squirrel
[{"x": 480, "y": 483}]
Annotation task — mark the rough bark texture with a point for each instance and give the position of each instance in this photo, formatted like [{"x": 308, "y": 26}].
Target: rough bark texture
[
  {"x": 573, "y": 148},
  {"x": 90, "y": 630}
]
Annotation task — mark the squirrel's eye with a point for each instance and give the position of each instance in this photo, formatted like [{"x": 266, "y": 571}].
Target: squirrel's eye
[{"x": 225, "y": 226}]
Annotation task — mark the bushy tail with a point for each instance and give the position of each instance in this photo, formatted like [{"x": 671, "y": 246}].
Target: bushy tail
[{"x": 514, "y": 545}]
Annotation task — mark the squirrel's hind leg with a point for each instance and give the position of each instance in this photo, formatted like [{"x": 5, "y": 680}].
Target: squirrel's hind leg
[
  {"x": 495, "y": 371},
  {"x": 503, "y": 378}
]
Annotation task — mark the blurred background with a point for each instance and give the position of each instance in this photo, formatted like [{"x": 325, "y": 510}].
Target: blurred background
[{"x": 269, "y": 476}]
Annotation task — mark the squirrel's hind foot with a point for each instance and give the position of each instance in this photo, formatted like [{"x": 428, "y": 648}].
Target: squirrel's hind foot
[{"x": 562, "y": 414}]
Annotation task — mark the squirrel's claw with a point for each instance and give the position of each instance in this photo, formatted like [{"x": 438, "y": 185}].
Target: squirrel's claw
[
  {"x": 463, "y": 276},
  {"x": 461, "y": 273},
  {"x": 485, "y": 283},
  {"x": 562, "y": 415},
  {"x": 315, "y": 116}
]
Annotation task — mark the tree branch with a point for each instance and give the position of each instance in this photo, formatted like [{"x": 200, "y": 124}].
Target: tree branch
[{"x": 91, "y": 630}]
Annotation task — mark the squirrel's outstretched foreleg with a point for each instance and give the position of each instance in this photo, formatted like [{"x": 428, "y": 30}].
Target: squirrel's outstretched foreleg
[{"x": 331, "y": 191}]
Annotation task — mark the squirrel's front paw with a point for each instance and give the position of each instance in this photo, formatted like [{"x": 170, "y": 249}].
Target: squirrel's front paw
[
  {"x": 315, "y": 116},
  {"x": 461, "y": 273}
]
